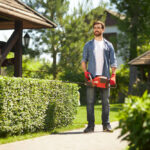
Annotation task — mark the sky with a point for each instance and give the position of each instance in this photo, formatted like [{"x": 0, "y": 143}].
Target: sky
[{"x": 95, "y": 3}]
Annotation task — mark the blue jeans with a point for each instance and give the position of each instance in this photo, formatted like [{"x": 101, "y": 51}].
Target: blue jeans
[{"x": 105, "y": 93}]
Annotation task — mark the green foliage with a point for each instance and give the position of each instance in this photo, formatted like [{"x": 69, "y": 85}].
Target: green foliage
[
  {"x": 30, "y": 105},
  {"x": 123, "y": 46},
  {"x": 122, "y": 80},
  {"x": 48, "y": 41},
  {"x": 143, "y": 48},
  {"x": 77, "y": 30},
  {"x": 33, "y": 68},
  {"x": 30, "y": 52},
  {"x": 68, "y": 39},
  {"x": 135, "y": 122},
  {"x": 135, "y": 24}
]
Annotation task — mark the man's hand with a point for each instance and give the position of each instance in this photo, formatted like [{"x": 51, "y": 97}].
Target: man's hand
[
  {"x": 113, "y": 79},
  {"x": 86, "y": 74}
]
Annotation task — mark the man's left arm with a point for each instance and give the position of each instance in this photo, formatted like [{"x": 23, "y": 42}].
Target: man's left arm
[
  {"x": 113, "y": 70},
  {"x": 113, "y": 63}
]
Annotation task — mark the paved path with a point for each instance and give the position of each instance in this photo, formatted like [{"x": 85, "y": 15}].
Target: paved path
[{"x": 72, "y": 140}]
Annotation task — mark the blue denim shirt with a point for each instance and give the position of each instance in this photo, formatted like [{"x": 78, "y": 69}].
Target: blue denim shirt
[{"x": 109, "y": 57}]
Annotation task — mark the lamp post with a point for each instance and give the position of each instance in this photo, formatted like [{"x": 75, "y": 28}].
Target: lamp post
[{"x": 26, "y": 40}]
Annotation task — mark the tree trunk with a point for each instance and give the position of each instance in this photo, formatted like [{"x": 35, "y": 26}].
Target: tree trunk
[
  {"x": 149, "y": 80},
  {"x": 133, "y": 42},
  {"x": 132, "y": 78},
  {"x": 54, "y": 63}
]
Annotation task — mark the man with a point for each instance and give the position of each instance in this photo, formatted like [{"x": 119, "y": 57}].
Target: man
[{"x": 100, "y": 56}]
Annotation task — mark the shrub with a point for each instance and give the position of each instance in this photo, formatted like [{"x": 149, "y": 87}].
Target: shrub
[
  {"x": 118, "y": 94},
  {"x": 30, "y": 105},
  {"x": 135, "y": 122}
]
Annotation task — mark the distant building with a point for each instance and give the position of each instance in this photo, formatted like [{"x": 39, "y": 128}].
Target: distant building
[{"x": 111, "y": 31}]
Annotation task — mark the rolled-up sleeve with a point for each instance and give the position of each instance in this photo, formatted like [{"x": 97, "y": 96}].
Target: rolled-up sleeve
[
  {"x": 85, "y": 53},
  {"x": 113, "y": 60}
]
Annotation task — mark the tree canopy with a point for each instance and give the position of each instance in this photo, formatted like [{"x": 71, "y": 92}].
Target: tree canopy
[
  {"x": 65, "y": 43},
  {"x": 136, "y": 24}
]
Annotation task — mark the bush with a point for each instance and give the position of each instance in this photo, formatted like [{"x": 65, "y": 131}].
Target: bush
[
  {"x": 135, "y": 122},
  {"x": 118, "y": 94},
  {"x": 30, "y": 105}
]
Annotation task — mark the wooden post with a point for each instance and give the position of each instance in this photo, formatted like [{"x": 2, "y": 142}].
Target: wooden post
[
  {"x": 0, "y": 61},
  {"x": 18, "y": 50},
  {"x": 9, "y": 45}
]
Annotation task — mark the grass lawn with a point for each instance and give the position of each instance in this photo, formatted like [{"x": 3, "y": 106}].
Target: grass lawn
[
  {"x": 81, "y": 117},
  {"x": 79, "y": 122}
]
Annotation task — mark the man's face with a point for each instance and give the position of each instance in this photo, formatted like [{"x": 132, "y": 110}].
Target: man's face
[{"x": 97, "y": 29}]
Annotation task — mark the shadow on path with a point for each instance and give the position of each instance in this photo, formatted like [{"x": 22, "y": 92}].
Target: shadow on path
[{"x": 76, "y": 132}]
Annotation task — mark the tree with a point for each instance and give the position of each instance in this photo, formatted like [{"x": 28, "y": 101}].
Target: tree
[
  {"x": 77, "y": 30},
  {"x": 136, "y": 23},
  {"x": 48, "y": 41},
  {"x": 68, "y": 40}
]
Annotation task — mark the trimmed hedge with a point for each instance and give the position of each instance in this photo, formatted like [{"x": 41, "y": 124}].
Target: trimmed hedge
[
  {"x": 135, "y": 122},
  {"x": 31, "y": 105}
]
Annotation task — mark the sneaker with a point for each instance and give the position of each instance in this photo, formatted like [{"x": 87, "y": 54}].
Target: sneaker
[
  {"x": 107, "y": 128},
  {"x": 88, "y": 129}
]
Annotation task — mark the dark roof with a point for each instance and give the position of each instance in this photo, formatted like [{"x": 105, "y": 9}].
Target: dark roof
[
  {"x": 112, "y": 17},
  {"x": 12, "y": 10},
  {"x": 143, "y": 59}
]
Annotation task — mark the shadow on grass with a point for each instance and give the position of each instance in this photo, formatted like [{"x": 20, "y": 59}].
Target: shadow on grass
[
  {"x": 112, "y": 108},
  {"x": 115, "y": 109}
]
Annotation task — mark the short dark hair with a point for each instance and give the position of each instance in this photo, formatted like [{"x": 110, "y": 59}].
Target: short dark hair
[{"x": 99, "y": 22}]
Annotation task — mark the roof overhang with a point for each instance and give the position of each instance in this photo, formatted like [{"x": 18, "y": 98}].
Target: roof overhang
[
  {"x": 13, "y": 10},
  {"x": 143, "y": 59}
]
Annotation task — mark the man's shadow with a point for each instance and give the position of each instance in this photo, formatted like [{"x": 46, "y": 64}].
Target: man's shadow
[{"x": 75, "y": 132}]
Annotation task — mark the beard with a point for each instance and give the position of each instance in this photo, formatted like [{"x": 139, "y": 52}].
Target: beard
[{"x": 96, "y": 33}]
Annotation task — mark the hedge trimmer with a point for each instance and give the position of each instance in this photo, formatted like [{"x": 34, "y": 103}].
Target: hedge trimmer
[{"x": 99, "y": 81}]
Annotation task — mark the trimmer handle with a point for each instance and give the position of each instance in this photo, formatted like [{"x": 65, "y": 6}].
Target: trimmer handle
[{"x": 90, "y": 77}]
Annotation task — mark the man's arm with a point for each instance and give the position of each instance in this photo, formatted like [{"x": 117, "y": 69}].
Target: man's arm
[
  {"x": 84, "y": 62},
  {"x": 113, "y": 70},
  {"x": 84, "y": 66},
  {"x": 113, "y": 60},
  {"x": 113, "y": 76}
]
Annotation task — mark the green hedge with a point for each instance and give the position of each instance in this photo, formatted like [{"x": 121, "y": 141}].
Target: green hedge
[
  {"x": 31, "y": 105},
  {"x": 135, "y": 122}
]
